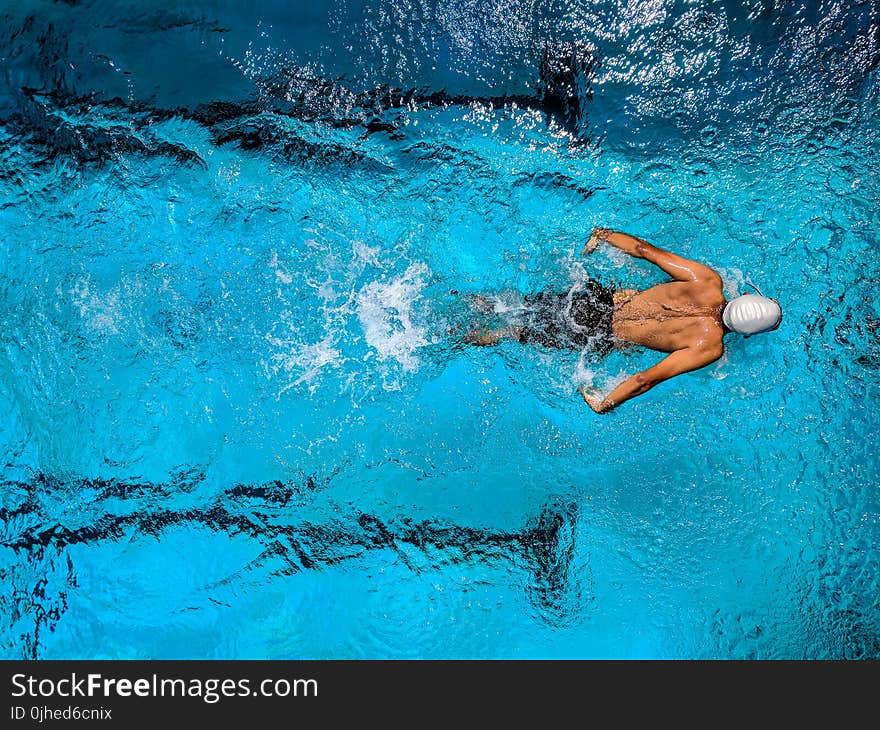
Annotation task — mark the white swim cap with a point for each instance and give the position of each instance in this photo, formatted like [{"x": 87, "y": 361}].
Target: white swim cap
[{"x": 750, "y": 314}]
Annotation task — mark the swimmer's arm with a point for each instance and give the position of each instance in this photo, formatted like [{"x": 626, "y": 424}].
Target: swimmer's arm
[
  {"x": 676, "y": 266},
  {"x": 680, "y": 361}
]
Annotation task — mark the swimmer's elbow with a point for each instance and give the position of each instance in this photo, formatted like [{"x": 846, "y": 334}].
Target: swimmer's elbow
[
  {"x": 711, "y": 353},
  {"x": 714, "y": 278},
  {"x": 643, "y": 382}
]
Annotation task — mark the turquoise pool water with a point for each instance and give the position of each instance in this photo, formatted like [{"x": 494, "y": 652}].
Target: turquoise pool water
[{"x": 236, "y": 417}]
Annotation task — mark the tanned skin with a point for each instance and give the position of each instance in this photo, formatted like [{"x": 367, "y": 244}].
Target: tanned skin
[{"x": 681, "y": 317}]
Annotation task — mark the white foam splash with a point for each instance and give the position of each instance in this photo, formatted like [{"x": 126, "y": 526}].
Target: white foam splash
[
  {"x": 303, "y": 360},
  {"x": 612, "y": 381},
  {"x": 385, "y": 311},
  {"x": 720, "y": 370},
  {"x": 101, "y": 313},
  {"x": 367, "y": 255},
  {"x": 583, "y": 375},
  {"x": 281, "y": 272},
  {"x": 733, "y": 280},
  {"x": 508, "y": 305}
]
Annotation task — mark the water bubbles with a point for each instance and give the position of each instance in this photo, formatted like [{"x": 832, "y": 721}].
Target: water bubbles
[
  {"x": 303, "y": 362},
  {"x": 386, "y": 311}
]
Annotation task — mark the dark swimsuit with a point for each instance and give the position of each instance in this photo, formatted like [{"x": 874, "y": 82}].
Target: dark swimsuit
[{"x": 574, "y": 321}]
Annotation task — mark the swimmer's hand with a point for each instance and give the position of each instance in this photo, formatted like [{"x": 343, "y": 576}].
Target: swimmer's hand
[
  {"x": 593, "y": 398},
  {"x": 598, "y": 236}
]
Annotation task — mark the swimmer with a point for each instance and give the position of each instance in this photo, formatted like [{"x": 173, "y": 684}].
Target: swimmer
[{"x": 687, "y": 318}]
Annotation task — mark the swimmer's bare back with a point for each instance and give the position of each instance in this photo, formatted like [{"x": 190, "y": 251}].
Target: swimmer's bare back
[{"x": 681, "y": 317}]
